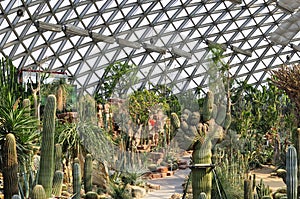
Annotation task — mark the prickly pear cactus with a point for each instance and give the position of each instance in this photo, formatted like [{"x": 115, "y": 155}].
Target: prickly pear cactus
[
  {"x": 10, "y": 167},
  {"x": 76, "y": 180},
  {"x": 38, "y": 192},
  {"x": 87, "y": 176},
  {"x": 57, "y": 183},
  {"x": 291, "y": 175},
  {"x": 46, "y": 171}
]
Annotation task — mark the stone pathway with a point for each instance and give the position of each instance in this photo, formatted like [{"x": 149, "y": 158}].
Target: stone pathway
[{"x": 168, "y": 185}]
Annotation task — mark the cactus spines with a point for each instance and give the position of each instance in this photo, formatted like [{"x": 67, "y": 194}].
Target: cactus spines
[
  {"x": 88, "y": 169},
  {"x": 26, "y": 105},
  {"x": 202, "y": 177},
  {"x": 76, "y": 180},
  {"x": 46, "y": 171},
  {"x": 38, "y": 192},
  {"x": 291, "y": 175},
  {"x": 202, "y": 196},
  {"x": 57, "y": 183},
  {"x": 208, "y": 106},
  {"x": 58, "y": 157},
  {"x": 175, "y": 120},
  {"x": 10, "y": 166}
]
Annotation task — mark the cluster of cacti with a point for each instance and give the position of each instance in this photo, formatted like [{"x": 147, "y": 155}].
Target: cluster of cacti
[
  {"x": 262, "y": 191},
  {"x": 46, "y": 170},
  {"x": 291, "y": 175},
  {"x": 76, "y": 172},
  {"x": 10, "y": 166},
  {"x": 87, "y": 176}
]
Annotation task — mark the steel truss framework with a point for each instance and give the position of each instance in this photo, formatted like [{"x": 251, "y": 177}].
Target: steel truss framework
[{"x": 179, "y": 28}]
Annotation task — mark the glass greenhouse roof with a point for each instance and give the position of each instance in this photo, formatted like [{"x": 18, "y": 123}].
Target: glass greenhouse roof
[{"x": 167, "y": 40}]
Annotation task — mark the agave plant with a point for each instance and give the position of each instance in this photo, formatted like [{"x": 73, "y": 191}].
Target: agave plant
[{"x": 16, "y": 120}]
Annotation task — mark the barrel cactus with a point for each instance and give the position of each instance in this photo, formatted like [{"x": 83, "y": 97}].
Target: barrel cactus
[
  {"x": 46, "y": 171},
  {"x": 10, "y": 167},
  {"x": 38, "y": 192},
  {"x": 202, "y": 196}
]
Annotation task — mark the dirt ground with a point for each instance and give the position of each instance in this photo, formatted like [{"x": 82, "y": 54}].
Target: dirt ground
[{"x": 265, "y": 173}]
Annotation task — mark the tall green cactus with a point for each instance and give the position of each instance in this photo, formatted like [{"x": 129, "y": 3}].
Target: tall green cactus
[
  {"x": 38, "y": 192},
  {"x": 202, "y": 177},
  {"x": 76, "y": 180},
  {"x": 10, "y": 166},
  {"x": 291, "y": 175},
  {"x": 88, "y": 169},
  {"x": 57, "y": 183},
  {"x": 58, "y": 157},
  {"x": 46, "y": 171}
]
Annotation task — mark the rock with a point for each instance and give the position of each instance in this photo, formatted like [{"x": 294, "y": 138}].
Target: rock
[{"x": 138, "y": 192}]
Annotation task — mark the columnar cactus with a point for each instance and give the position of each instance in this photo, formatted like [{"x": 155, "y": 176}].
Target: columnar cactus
[
  {"x": 10, "y": 166},
  {"x": 38, "y": 192},
  {"x": 175, "y": 120},
  {"x": 58, "y": 157},
  {"x": 88, "y": 169},
  {"x": 291, "y": 175},
  {"x": 26, "y": 105},
  {"x": 248, "y": 193},
  {"x": 202, "y": 177},
  {"x": 46, "y": 171},
  {"x": 57, "y": 183},
  {"x": 208, "y": 106},
  {"x": 76, "y": 180}
]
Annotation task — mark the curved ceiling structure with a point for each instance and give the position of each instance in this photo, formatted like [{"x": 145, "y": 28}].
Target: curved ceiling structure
[{"x": 166, "y": 40}]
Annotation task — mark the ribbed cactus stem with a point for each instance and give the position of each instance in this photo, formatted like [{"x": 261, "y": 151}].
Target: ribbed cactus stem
[
  {"x": 291, "y": 175},
  {"x": 91, "y": 195},
  {"x": 202, "y": 196},
  {"x": 46, "y": 171},
  {"x": 88, "y": 169},
  {"x": 38, "y": 192},
  {"x": 10, "y": 166},
  {"x": 76, "y": 180},
  {"x": 175, "y": 120},
  {"x": 202, "y": 177},
  {"x": 58, "y": 157},
  {"x": 26, "y": 105},
  {"x": 248, "y": 194},
  {"x": 57, "y": 183}
]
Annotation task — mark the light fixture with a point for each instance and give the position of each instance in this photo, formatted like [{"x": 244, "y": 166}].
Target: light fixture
[
  {"x": 152, "y": 48},
  {"x": 126, "y": 43},
  {"x": 48, "y": 26},
  {"x": 286, "y": 30},
  {"x": 101, "y": 38},
  {"x": 247, "y": 53},
  {"x": 288, "y": 6},
  {"x": 181, "y": 53},
  {"x": 74, "y": 30}
]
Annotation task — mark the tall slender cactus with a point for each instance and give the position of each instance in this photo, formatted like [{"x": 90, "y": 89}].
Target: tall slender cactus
[
  {"x": 88, "y": 169},
  {"x": 10, "y": 169},
  {"x": 46, "y": 171},
  {"x": 291, "y": 175}
]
